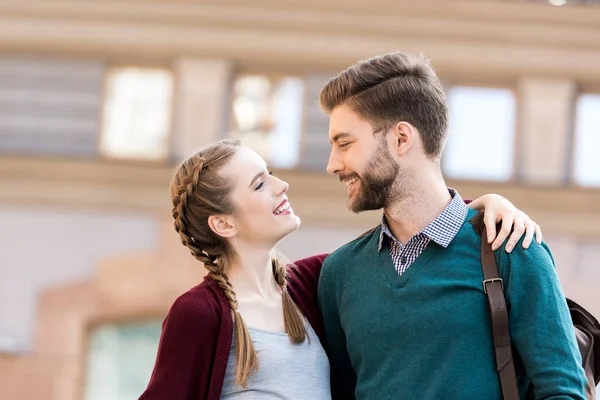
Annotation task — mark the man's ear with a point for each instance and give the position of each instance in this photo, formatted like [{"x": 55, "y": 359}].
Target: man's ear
[
  {"x": 222, "y": 225},
  {"x": 404, "y": 137}
]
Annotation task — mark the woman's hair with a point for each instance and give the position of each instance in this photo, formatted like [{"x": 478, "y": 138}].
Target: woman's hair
[{"x": 197, "y": 192}]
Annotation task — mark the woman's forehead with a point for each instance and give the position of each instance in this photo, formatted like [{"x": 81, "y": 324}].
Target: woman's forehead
[{"x": 244, "y": 165}]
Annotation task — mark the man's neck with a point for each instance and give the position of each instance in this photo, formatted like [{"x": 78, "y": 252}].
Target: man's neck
[{"x": 420, "y": 206}]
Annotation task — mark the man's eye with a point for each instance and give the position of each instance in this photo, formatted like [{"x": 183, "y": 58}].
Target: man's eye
[{"x": 342, "y": 145}]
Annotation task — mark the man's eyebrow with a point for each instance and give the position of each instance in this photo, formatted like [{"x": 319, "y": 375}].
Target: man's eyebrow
[{"x": 339, "y": 136}]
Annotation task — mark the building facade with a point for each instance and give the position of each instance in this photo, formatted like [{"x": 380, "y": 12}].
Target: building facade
[{"x": 100, "y": 99}]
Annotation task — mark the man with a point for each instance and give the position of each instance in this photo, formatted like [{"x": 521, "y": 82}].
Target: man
[{"x": 403, "y": 306}]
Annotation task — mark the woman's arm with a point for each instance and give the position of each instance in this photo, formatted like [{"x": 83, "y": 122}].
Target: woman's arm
[
  {"x": 184, "y": 361},
  {"x": 499, "y": 209}
]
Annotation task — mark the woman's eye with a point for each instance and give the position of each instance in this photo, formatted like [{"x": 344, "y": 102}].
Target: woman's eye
[{"x": 262, "y": 184}]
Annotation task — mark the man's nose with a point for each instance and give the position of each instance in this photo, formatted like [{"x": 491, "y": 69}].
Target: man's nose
[{"x": 335, "y": 164}]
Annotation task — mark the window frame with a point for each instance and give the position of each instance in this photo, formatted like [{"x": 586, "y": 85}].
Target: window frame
[
  {"x": 167, "y": 159},
  {"x": 484, "y": 83},
  {"x": 98, "y": 323},
  {"x": 594, "y": 91},
  {"x": 273, "y": 75}
]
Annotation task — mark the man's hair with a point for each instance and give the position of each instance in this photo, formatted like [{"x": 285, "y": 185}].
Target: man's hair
[{"x": 392, "y": 88}]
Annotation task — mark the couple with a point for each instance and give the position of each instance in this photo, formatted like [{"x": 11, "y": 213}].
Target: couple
[{"x": 398, "y": 313}]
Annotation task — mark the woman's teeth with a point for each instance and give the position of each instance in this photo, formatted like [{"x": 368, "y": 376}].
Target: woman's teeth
[{"x": 282, "y": 208}]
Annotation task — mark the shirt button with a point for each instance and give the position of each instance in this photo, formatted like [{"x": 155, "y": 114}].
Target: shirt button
[{"x": 403, "y": 260}]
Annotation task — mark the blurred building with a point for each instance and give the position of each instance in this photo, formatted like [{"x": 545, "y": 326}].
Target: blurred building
[{"x": 99, "y": 99}]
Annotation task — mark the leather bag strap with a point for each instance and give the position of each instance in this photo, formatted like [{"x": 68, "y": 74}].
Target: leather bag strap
[{"x": 493, "y": 286}]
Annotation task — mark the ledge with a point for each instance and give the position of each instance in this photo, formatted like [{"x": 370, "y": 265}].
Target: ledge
[
  {"x": 481, "y": 38},
  {"x": 317, "y": 197}
]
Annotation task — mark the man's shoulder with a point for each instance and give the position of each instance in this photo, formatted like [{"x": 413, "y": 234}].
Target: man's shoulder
[
  {"x": 536, "y": 261},
  {"x": 353, "y": 248},
  {"x": 471, "y": 236}
]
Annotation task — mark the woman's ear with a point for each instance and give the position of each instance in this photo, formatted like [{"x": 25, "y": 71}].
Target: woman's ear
[{"x": 222, "y": 225}]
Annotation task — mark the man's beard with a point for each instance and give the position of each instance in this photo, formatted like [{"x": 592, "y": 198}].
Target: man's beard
[{"x": 377, "y": 183}]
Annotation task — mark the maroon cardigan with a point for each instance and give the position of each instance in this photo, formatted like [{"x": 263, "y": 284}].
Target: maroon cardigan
[{"x": 197, "y": 334}]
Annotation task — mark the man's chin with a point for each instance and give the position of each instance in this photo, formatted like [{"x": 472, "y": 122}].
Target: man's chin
[
  {"x": 357, "y": 207},
  {"x": 354, "y": 205}
]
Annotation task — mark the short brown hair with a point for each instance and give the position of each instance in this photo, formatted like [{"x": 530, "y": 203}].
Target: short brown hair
[{"x": 392, "y": 88}]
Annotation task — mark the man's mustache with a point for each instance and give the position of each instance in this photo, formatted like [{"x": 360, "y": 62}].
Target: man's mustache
[{"x": 348, "y": 176}]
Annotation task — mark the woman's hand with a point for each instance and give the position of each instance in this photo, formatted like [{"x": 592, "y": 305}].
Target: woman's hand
[{"x": 498, "y": 208}]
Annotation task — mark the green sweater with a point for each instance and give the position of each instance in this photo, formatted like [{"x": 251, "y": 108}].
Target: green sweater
[{"x": 426, "y": 334}]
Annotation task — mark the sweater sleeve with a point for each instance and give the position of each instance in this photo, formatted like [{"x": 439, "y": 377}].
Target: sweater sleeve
[
  {"x": 308, "y": 270},
  {"x": 540, "y": 323},
  {"x": 183, "y": 364},
  {"x": 343, "y": 377}
]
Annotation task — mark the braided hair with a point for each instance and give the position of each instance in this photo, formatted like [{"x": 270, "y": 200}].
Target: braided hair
[{"x": 198, "y": 192}]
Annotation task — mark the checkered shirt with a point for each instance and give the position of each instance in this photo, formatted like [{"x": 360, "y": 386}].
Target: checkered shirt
[{"x": 442, "y": 230}]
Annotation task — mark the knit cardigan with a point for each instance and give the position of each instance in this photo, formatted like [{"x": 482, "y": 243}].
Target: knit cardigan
[{"x": 198, "y": 330}]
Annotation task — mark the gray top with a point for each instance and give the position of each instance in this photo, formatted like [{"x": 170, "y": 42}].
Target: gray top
[{"x": 285, "y": 370}]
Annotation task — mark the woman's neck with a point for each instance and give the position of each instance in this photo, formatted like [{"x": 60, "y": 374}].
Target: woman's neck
[{"x": 251, "y": 275}]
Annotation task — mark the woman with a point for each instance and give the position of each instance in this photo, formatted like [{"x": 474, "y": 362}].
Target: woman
[{"x": 252, "y": 327}]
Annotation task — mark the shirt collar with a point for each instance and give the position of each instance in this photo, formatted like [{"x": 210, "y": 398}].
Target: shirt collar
[{"x": 443, "y": 229}]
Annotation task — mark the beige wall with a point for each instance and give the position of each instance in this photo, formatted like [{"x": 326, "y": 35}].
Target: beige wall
[
  {"x": 576, "y": 261},
  {"x": 47, "y": 247},
  {"x": 44, "y": 248}
]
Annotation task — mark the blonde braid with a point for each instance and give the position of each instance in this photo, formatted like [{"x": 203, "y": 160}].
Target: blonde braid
[
  {"x": 292, "y": 317},
  {"x": 247, "y": 359},
  {"x": 245, "y": 354}
]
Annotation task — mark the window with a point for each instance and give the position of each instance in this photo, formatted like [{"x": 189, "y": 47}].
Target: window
[
  {"x": 267, "y": 116},
  {"x": 137, "y": 113},
  {"x": 315, "y": 146},
  {"x": 49, "y": 107},
  {"x": 120, "y": 360},
  {"x": 586, "y": 168},
  {"x": 481, "y": 142}
]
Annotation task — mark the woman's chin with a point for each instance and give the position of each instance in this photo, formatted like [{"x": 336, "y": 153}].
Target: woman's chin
[
  {"x": 294, "y": 224},
  {"x": 298, "y": 222},
  {"x": 290, "y": 226}
]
